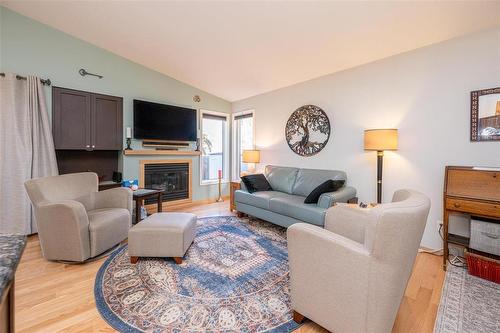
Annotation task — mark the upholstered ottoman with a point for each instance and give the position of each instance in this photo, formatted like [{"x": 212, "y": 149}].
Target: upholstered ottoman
[{"x": 162, "y": 235}]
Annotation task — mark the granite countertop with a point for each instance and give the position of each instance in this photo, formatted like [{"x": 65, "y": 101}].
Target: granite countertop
[{"x": 11, "y": 249}]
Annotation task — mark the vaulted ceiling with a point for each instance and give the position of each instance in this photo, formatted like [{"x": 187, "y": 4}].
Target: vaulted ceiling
[{"x": 239, "y": 49}]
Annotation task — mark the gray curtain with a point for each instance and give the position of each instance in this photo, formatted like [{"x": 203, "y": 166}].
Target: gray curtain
[{"x": 26, "y": 149}]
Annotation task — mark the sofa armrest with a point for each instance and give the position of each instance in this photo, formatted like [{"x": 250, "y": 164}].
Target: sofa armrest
[
  {"x": 120, "y": 197},
  {"x": 326, "y": 200},
  {"x": 327, "y": 269},
  {"x": 63, "y": 227}
]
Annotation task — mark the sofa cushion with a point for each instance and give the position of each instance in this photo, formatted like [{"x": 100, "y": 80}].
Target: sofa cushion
[
  {"x": 281, "y": 178},
  {"x": 256, "y": 183},
  {"x": 308, "y": 179},
  {"x": 294, "y": 206},
  {"x": 257, "y": 199}
]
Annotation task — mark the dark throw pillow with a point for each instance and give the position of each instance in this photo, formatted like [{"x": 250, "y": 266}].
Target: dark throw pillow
[
  {"x": 255, "y": 183},
  {"x": 328, "y": 186}
]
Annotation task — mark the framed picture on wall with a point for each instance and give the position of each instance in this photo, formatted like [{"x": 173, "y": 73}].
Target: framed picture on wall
[{"x": 485, "y": 115}]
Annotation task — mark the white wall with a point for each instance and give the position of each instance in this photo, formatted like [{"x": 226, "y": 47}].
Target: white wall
[{"x": 423, "y": 93}]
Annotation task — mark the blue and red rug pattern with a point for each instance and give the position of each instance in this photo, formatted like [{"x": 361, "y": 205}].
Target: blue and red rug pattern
[{"x": 234, "y": 278}]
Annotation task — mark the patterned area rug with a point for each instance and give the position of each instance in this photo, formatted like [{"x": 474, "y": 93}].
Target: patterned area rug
[
  {"x": 234, "y": 278},
  {"x": 468, "y": 304}
]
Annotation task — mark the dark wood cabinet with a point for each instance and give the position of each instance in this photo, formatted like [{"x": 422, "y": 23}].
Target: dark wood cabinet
[
  {"x": 86, "y": 121},
  {"x": 71, "y": 118},
  {"x": 107, "y": 127}
]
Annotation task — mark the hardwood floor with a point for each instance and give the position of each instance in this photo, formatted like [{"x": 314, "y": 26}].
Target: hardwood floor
[{"x": 54, "y": 297}]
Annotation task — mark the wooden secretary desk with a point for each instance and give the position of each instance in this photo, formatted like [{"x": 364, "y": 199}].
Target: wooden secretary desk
[{"x": 472, "y": 191}]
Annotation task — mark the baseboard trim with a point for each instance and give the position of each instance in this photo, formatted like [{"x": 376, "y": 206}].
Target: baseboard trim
[
  {"x": 179, "y": 205},
  {"x": 436, "y": 252}
]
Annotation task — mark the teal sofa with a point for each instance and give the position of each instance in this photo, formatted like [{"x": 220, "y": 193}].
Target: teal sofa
[{"x": 284, "y": 205}]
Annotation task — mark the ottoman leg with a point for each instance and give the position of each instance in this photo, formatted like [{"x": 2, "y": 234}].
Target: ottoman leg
[
  {"x": 133, "y": 260},
  {"x": 297, "y": 317},
  {"x": 178, "y": 260}
]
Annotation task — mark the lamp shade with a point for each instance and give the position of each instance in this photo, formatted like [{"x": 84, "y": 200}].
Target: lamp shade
[
  {"x": 251, "y": 156},
  {"x": 381, "y": 139}
]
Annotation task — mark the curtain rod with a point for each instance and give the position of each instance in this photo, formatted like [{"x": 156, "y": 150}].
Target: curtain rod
[{"x": 19, "y": 77}]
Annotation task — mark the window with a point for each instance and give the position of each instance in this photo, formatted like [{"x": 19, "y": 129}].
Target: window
[
  {"x": 214, "y": 143},
  {"x": 243, "y": 139}
]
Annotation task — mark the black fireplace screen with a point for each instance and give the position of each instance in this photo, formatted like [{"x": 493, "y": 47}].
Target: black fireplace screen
[{"x": 172, "y": 178}]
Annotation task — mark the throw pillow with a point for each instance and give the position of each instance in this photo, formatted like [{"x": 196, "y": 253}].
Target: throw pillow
[
  {"x": 255, "y": 183},
  {"x": 328, "y": 186}
]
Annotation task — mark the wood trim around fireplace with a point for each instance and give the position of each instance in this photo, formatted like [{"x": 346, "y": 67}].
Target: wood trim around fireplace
[{"x": 174, "y": 203}]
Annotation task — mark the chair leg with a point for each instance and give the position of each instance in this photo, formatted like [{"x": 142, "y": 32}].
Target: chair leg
[
  {"x": 178, "y": 260},
  {"x": 297, "y": 317},
  {"x": 133, "y": 260}
]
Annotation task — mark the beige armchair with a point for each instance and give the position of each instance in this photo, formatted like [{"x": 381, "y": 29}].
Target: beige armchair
[
  {"x": 351, "y": 275},
  {"x": 75, "y": 221}
]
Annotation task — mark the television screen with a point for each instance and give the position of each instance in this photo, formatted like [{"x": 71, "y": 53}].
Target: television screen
[{"x": 153, "y": 121}]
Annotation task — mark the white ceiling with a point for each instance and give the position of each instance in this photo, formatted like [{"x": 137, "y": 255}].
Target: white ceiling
[{"x": 239, "y": 49}]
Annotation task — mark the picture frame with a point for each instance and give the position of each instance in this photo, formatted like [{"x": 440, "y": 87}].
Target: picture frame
[{"x": 485, "y": 115}]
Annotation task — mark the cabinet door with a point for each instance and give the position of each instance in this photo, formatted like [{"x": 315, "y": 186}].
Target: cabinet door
[
  {"x": 107, "y": 129},
  {"x": 71, "y": 120}
]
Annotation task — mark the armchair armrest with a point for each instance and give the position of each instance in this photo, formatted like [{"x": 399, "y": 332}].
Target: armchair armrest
[
  {"x": 326, "y": 200},
  {"x": 64, "y": 230},
  {"x": 326, "y": 269},
  {"x": 120, "y": 197}
]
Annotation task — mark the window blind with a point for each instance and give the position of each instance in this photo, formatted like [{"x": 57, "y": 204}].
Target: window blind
[
  {"x": 214, "y": 117},
  {"x": 243, "y": 116}
]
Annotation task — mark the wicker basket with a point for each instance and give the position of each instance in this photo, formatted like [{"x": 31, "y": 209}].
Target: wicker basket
[{"x": 483, "y": 267}]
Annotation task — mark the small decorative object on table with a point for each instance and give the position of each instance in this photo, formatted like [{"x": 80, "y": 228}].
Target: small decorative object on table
[
  {"x": 129, "y": 138},
  {"x": 133, "y": 184},
  {"x": 363, "y": 205},
  {"x": 219, "y": 176}
]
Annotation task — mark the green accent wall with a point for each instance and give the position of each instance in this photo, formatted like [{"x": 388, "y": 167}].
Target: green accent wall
[{"x": 28, "y": 47}]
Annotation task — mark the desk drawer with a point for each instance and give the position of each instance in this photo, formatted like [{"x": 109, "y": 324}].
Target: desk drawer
[
  {"x": 473, "y": 207},
  {"x": 472, "y": 183}
]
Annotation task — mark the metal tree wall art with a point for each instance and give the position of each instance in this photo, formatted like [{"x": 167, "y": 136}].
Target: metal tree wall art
[{"x": 307, "y": 130}]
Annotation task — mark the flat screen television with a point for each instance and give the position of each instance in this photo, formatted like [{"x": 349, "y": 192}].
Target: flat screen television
[{"x": 154, "y": 121}]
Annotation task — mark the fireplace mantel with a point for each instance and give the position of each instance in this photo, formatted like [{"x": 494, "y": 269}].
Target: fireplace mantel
[{"x": 162, "y": 152}]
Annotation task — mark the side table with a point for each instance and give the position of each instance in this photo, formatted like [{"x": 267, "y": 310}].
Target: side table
[
  {"x": 142, "y": 194},
  {"x": 234, "y": 185}
]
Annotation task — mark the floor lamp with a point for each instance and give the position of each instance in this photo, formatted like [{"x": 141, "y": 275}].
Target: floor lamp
[{"x": 380, "y": 140}]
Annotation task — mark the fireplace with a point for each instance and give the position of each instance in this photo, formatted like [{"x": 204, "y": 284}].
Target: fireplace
[{"x": 171, "y": 176}]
